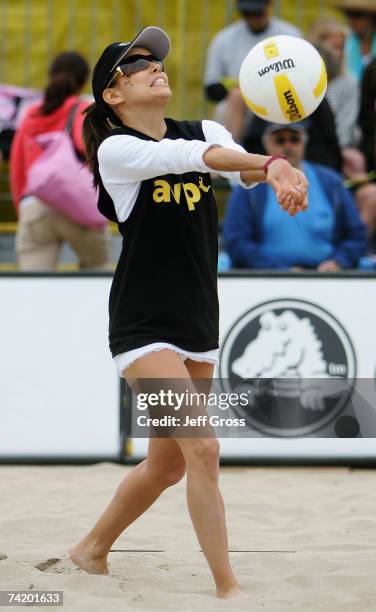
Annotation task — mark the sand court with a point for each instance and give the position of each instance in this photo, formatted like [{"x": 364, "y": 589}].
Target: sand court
[{"x": 301, "y": 539}]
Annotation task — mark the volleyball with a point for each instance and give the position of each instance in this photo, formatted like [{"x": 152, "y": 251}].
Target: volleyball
[{"x": 283, "y": 79}]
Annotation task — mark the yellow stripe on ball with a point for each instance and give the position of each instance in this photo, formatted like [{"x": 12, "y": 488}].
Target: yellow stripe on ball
[
  {"x": 289, "y": 101},
  {"x": 322, "y": 81},
  {"x": 258, "y": 110}
]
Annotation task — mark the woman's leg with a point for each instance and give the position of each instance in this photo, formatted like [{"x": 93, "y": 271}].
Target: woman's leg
[
  {"x": 205, "y": 502},
  {"x": 163, "y": 467},
  {"x": 204, "y": 372}
]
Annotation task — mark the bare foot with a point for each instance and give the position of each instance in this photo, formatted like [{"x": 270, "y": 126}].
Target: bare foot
[
  {"x": 231, "y": 592},
  {"x": 88, "y": 561}
]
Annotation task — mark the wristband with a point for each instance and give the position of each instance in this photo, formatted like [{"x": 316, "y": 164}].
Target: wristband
[{"x": 270, "y": 160}]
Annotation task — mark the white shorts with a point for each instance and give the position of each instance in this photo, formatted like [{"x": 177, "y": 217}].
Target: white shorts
[{"x": 124, "y": 360}]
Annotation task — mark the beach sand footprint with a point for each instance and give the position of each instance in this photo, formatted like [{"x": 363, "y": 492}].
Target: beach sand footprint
[
  {"x": 164, "y": 566},
  {"x": 58, "y": 565}
]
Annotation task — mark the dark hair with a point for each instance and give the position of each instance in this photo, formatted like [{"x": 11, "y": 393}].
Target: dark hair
[
  {"x": 67, "y": 74},
  {"x": 96, "y": 127}
]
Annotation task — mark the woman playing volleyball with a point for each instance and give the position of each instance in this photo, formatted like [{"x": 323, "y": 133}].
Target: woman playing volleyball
[{"x": 153, "y": 176}]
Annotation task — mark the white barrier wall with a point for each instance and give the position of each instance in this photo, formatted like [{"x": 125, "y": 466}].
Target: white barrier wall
[
  {"x": 60, "y": 392},
  {"x": 332, "y": 320}
]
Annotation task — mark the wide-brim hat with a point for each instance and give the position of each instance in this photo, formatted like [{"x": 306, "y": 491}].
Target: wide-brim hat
[{"x": 368, "y": 6}]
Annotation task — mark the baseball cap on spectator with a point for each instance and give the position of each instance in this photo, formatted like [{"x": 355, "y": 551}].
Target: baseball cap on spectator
[
  {"x": 277, "y": 127},
  {"x": 298, "y": 127},
  {"x": 252, "y": 5},
  {"x": 152, "y": 38}
]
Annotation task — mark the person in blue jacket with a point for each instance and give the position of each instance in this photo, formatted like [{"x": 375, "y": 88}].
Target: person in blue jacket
[{"x": 329, "y": 237}]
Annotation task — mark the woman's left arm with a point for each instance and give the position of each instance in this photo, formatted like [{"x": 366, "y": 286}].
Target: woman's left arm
[
  {"x": 289, "y": 184},
  {"x": 217, "y": 134},
  {"x": 280, "y": 175}
]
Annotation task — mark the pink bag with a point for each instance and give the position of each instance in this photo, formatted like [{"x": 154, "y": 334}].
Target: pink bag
[{"x": 60, "y": 180}]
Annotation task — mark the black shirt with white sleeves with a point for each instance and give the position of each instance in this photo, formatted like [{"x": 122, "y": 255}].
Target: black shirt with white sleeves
[{"x": 160, "y": 193}]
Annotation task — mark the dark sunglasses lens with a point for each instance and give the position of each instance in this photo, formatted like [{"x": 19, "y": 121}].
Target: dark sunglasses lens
[
  {"x": 355, "y": 14},
  {"x": 294, "y": 139},
  {"x": 135, "y": 66},
  {"x": 255, "y": 13},
  {"x": 137, "y": 63}
]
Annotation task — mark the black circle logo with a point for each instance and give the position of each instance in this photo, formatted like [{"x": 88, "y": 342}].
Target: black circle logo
[{"x": 296, "y": 363}]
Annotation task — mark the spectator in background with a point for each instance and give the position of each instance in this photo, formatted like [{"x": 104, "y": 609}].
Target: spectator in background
[
  {"x": 361, "y": 44},
  {"x": 13, "y": 101},
  {"x": 42, "y": 230},
  {"x": 225, "y": 56},
  {"x": 366, "y": 194},
  {"x": 367, "y": 115},
  {"x": 343, "y": 94},
  {"x": 322, "y": 145},
  {"x": 329, "y": 236},
  {"x": 343, "y": 91}
]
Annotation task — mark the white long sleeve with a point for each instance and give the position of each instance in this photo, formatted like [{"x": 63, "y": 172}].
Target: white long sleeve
[
  {"x": 127, "y": 159},
  {"x": 216, "y": 133}
]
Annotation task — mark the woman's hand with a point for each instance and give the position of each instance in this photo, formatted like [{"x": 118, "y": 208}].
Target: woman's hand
[
  {"x": 290, "y": 186},
  {"x": 289, "y": 183}
]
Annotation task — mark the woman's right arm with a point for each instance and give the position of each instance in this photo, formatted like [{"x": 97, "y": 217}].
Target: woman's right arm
[{"x": 127, "y": 159}]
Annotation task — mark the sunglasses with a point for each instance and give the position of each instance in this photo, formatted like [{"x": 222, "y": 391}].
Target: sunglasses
[
  {"x": 294, "y": 139},
  {"x": 355, "y": 14},
  {"x": 254, "y": 13},
  {"x": 135, "y": 63}
]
